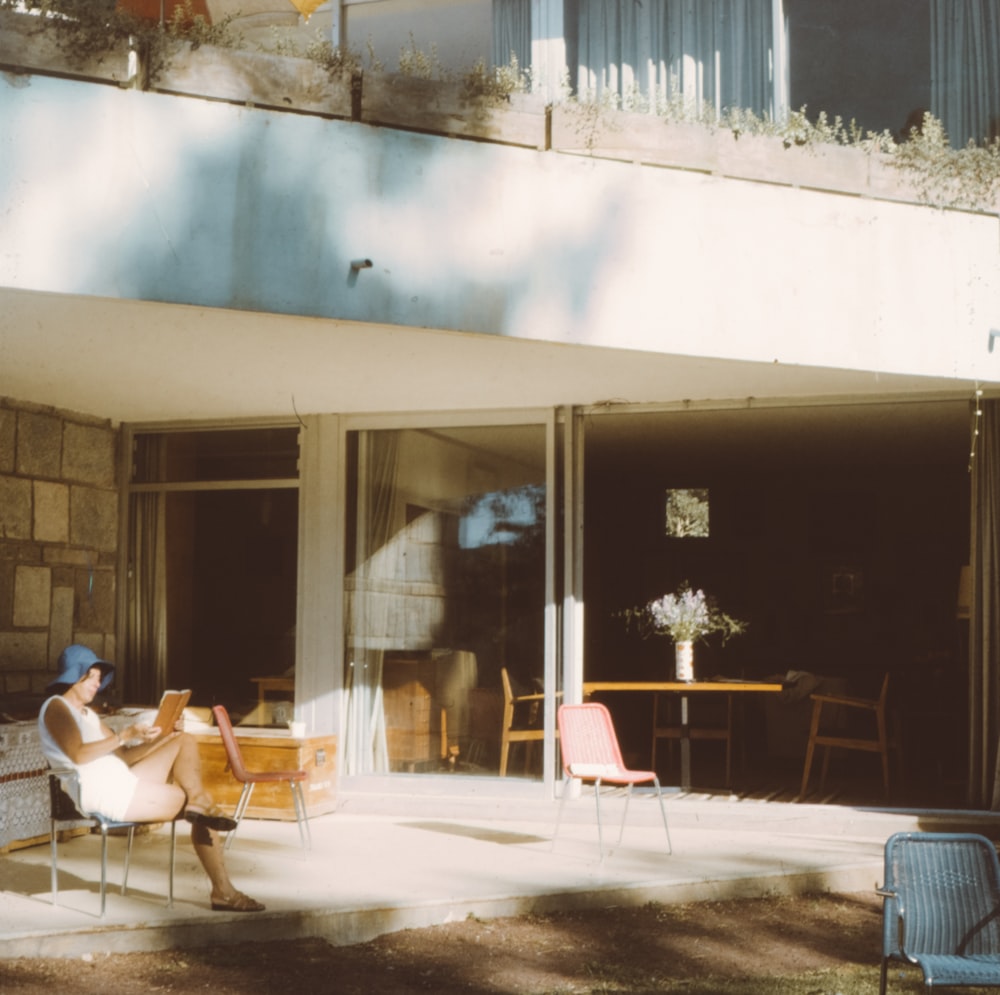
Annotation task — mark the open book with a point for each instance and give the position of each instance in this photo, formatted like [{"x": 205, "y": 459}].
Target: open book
[{"x": 172, "y": 706}]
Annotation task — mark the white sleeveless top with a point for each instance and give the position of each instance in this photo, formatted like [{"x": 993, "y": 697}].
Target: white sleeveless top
[{"x": 106, "y": 785}]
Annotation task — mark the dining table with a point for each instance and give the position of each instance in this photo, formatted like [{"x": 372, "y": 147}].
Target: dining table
[{"x": 685, "y": 690}]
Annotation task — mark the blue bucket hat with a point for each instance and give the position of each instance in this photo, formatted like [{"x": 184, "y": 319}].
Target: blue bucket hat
[{"x": 74, "y": 662}]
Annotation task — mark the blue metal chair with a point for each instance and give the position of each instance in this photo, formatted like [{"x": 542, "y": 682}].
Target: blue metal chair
[
  {"x": 66, "y": 814},
  {"x": 941, "y": 908}
]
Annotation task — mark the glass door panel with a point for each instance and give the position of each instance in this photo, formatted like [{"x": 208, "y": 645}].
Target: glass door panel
[{"x": 445, "y": 589}]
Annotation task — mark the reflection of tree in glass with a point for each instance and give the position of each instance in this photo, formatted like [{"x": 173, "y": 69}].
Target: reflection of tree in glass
[
  {"x": 499, "y": 597},
  {"x": 687, "y": 512},
  {"x": 504, "y": 517}
]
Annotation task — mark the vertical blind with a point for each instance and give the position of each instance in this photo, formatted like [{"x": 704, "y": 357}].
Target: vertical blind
[
  {"x": 965, "y": 68},
  {"x": 713, "y": 54},
  {"x": 512, "y": 32}
]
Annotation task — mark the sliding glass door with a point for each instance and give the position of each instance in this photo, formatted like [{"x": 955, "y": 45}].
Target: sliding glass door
[{"x": 446, "y": 590}]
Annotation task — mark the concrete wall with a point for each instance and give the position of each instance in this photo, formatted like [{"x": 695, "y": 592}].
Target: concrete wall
[
  {"x": 58, "y": 540},
  {"x": 189, "y": 201}
]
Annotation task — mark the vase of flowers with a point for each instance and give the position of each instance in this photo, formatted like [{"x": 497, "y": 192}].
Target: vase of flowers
[
  {"x": 684, "y": 660},
  {"x": 685, "y": 616}
]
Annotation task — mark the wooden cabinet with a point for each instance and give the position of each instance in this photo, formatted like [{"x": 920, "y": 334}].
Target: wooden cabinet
[
  {"x": 412, "y": 723},
  {"x": 427, "y": 709},
  {"x": 265, "y": 749}
]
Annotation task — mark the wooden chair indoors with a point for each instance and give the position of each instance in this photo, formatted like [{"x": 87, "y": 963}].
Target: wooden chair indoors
[
  {"x": 829, "y": 707},
  {"x": 65, "y": 814},
  {"x": 520, "y": 722},
  {"x": 248, "y": 778},
  {"x": 591, "y": 754}
]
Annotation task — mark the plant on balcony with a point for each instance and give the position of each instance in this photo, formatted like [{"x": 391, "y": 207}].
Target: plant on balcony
[
  {"x": 945, "y": 176},
  {"x": 90, "y": 29}
]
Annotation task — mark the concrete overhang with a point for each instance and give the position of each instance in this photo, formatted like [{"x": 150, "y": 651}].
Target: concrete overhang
[{"x": 136, "y": 361}]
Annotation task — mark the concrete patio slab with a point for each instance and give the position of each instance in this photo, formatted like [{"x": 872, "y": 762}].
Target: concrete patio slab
[{"x": 379, "y": 865}]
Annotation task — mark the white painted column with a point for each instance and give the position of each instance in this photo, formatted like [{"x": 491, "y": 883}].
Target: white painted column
[{"x": 319, "y": 640}]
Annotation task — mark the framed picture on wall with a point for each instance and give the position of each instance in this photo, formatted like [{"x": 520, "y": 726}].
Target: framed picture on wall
[{"x": 843, "y": 589}]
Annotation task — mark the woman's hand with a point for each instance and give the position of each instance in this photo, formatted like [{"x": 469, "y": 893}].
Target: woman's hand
[{"x": 138, "y": 734}]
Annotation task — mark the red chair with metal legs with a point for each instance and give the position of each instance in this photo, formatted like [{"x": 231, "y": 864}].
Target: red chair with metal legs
[
  {"x": 249, "y": 779},
  {"x": 590, "y": 753}
]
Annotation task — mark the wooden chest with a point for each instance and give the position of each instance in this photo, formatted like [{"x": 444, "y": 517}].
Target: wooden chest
[{"x": 265, "y": 750}]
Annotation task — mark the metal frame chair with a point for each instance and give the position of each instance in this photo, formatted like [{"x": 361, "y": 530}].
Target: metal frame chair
[
  {"x": 249, "y": 779},
  {"x": 590, "y": 753},
  {"x": 65, "y": 812},
  {"x": 941, "y": 908}
]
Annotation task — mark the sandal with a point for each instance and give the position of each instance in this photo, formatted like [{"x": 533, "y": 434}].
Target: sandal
[
  {"x": 237, "y": 902},
  {"x": 211, "y": 819}
]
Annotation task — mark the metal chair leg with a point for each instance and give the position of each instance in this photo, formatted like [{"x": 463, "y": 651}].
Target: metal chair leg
[
  {"x": 299, "y": 800},
  {"x": 104, "y": 865},
  {"x": 600, "y": 828},
  {"x": 173, "y": 860},
  {"x": 663, "y": 813},
  {"x": 128, "y": 859},
  {"x": 241, "y": 807},
  {"x": 55, "y": 863}
]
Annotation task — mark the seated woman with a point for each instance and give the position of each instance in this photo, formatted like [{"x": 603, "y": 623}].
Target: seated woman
[{"x": 155, "y": 788}]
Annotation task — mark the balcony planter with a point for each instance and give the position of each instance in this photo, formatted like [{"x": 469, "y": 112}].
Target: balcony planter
[
  {"x": 257, "y": 78},
  {"x": 446, "y": 108},
  {"x": 656, "y": 141},
  {"x": 27, "y": 46}
]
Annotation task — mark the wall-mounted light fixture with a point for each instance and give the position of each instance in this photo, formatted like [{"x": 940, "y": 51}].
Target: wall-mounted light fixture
[{"x": 357, "y": 264}]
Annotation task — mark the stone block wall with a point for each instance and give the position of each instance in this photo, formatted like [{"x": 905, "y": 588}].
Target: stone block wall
[{"x": 58, "y": 540}]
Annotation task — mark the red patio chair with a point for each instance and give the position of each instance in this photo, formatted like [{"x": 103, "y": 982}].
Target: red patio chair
[
  {"x": 249, "y": 779},
  {"x": 590, "y": 753}
]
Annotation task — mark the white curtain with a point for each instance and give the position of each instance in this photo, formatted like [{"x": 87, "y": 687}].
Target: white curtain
[
  {"x": 512, "y": 32},
  {"x": 965, "y": 68},
  {"x": 146, "y": 628},
  {"x": 715, "y": 54},
  {"x": 984, "y": 647},
  {"x": 372, "y": 606}
]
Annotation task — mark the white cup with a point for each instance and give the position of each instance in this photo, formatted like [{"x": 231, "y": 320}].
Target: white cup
[{"x": 298, "y": 729}]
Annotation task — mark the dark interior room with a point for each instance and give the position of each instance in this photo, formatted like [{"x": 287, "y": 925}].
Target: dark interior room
[{"x": 836, "y": 533}]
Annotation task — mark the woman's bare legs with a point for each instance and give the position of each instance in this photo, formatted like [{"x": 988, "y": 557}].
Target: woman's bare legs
[
  {"x": 176, "y": 760},
  {"x": 155, "y": 799}
]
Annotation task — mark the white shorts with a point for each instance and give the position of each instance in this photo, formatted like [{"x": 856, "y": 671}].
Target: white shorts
[{"x": 107, "y": 787}]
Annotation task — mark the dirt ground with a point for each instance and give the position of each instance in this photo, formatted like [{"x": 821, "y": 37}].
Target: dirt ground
[{"x": 655, "y": 948}]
